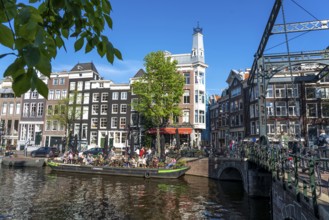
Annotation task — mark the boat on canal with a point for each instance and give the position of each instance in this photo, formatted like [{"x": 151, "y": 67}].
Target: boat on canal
[
  {"x": 161, "y": 173},
  {"x": 22, "y": 162}
]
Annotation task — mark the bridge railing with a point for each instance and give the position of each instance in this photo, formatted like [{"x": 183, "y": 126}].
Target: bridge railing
[{"x": 301, "y": 173}]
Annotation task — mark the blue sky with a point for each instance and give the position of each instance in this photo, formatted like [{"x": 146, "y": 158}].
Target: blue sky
[{"x": 232, "y": 31}]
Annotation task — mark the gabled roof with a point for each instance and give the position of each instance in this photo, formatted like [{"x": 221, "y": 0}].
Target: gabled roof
[
  {"x": 140, "y": 73},
  {"x": 84, "y": 66}
]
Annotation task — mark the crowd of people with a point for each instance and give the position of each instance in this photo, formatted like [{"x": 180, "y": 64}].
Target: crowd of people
[{"x": 140, "y": 158}]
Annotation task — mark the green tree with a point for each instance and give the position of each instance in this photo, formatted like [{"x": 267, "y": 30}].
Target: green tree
[
  {"x": 34, "y": 32},
  {"x": 66, "y": 112},
  {"x": 159, "y": 91}
]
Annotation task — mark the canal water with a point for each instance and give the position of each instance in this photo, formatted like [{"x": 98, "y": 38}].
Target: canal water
[{"x": 39, "y": 193}]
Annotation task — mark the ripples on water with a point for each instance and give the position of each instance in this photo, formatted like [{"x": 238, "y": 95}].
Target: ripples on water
[{"x": 31, "y": 193}]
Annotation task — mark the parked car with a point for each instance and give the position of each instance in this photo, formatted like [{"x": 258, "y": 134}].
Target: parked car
[
  {"x": 45, "y": 152},
  {"x": 94, "y": 151}
]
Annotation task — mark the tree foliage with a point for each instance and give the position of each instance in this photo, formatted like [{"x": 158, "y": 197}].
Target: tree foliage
[
  {"x": 159, "y": 90},
  {"x": 34, "y": 32},
  {"x": 65, "y": 112}
]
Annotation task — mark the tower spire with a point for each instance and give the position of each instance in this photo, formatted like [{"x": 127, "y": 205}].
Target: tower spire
[
  {"x": 197, "y": 29},
  {"x": 197, "y": 53}
]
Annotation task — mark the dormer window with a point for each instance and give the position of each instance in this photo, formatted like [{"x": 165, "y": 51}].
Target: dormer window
[{"x": 79, "y": 67}]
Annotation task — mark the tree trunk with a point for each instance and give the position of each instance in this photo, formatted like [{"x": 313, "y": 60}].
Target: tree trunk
[{"x": 158, "y": 149}]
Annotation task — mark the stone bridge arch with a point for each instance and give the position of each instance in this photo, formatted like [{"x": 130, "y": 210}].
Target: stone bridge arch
[{"x": 235, "y": 170}]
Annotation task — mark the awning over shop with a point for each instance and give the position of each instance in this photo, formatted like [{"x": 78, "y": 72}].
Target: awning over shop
[{"x": 170, "y": 131}]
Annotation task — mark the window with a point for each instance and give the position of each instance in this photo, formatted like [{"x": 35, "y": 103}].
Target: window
[
  {"x": 187, "y": 78},
  {"x": 49, "y": 110},
  {"x": 196, "y": 77},
  {"x": 280, "y": 91},
  {"x": 56, "y": 109},
  {"x": 86, "y": 98},
  {"x": 34, "y": 95},
  {"x": 79, "y": 98},
  {"x": 64, "y": 94},
  {"x": 186, "y": 116},
  {"x": 115, "y": 95},
  {"x": 33, "y": 109},
  {"x": 122, "y": 123},
  {"x": 114, "y": 122},
  {"x": 80, "y": 85},
  {"x": 85, "y": 112},
  {"x": 55, "y": 81},
  {"x": 123, "y": 108},
  {"x": 40, "y": 109},
  {"x": 281, "y": 127},
  {"x": 270, "y": 128},
  {"x": 61, "y": 81},
  {"x": 186, "y": 96},
  {"x": 310, "y": 93},
  {"x": 293, "y": 108},
  {"x": 93, "y": 137},
  {"x": 104, "y": 109},
  {"x": 235, "y": 92},
  {"x": 18, "y": 108},
  {"x": 55, "y": 125},
  {"x": 71, "y": 98},
  {"x": 96, "y": 97},
  {"x": 48, "y": 125},
  {"x": 87, "y": 85},
  {"x": 253, "y": 127},
  {"x": 325, "y": 109},
  {"x": 115, "y": 108},
  {"x": 51, "y": 95},
  {"x": 58, "y": 94},
  {"x": 11, "y": 108},
  {"x": 196, "y": 96},
  {"x": 252, "y": 111},
  {"x": 202, "y": 97},
  {"x": 103, "y": 122},
  {"x": 201, "y": 77},
  {"x": 4, "y": 108},
  {"x": 94, "y": 123},
  {"x": 134, "y": 100},
  {"x": 63, "y": 109},
  {"x": 105, "y": 97},
  {"x": 311, "y": 110},
  {"x": 281, "y": 109},
  {"x": 323, "y": 93},
  {"x": 201, "y": 117},
  {"x": 134, "y": 119},
  {"x": 292, "y": 91},
  {"x": 123, "y": 95},
  {"x": 72, "y": 85},
  {"x": 270, "y": 108},
  {"x": 269, "y": 92},
  {"x": 84, "y": 131},
  {"x": 196, "y": 116},
  {"x": 95, "y": 109},
  {"x": 294, "y": 128}
]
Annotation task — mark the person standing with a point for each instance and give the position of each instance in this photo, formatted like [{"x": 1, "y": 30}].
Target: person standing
[
  {"x": 25, "y": 150},
  {"x": 322, "y": 143}
]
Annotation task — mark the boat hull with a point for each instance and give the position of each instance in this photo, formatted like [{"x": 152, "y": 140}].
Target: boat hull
[
  {"x": 119, "y": 171},
  {"x": 22, "y": 162}
]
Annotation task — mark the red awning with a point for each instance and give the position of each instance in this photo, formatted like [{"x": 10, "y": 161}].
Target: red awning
[{"x": 170, "y": 131}]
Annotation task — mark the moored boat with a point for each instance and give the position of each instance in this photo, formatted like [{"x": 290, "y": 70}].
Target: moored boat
[
  {"x": 23, "y": 162},
  {"x": 120, "y": 171}
]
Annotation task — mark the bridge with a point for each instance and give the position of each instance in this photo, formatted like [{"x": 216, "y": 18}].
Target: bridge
[{"x": 297, "y": 191}]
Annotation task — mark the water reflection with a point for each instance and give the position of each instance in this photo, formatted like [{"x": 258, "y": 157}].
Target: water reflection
[{"x": 31, "y": 193}]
